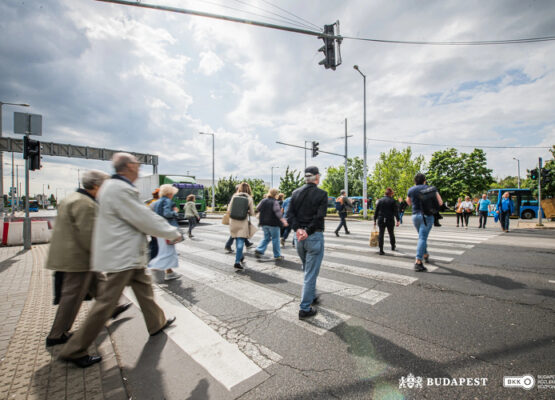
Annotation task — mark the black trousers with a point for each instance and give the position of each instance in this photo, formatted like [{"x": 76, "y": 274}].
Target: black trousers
[
  {"x": 484, "y": 218},
  {"x": 390, "y": 225},
  {"x": 460, "y": 219},
  {"x": 343, "y": 222},
  {"x": 466, "y": 217}
]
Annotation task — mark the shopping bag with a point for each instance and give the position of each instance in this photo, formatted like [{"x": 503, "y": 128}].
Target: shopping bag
[
  {"x": 374, "y": 238},
  {"x": 252, "y": 229},
  {"x": 496, "y": 217},
  {"x": 225, "y": 219}
]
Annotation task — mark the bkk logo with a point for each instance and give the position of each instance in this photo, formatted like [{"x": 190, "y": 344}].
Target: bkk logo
[{"x": 417, "y": 382}]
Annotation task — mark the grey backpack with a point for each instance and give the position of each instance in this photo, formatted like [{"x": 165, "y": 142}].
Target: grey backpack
[{"x": 239, "y": 207}]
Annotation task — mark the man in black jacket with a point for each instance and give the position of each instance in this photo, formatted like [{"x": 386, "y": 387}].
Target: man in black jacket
[
  {"x": 387, "y": 210},
  {"x": 345, "y": 205},
  {"x": 306, "y": 213}
]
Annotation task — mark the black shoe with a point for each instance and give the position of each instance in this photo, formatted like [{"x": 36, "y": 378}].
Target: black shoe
[
  {"x": 393, "y": 248},
  {"x": 167, "y": 324},
  {"x": 85, "y": 361},
  {"x": 382, "y": 253},
  {"x": 237, "y": 266},
  {"x": 437, "y": 224},
  {"x": 248, "y": 244},
  {"x": 243, "y": 259},
  {"x": 258, "y": 254},
  {"x": 315, "y": 301},
  {"x": 420, "y": 268},
  {"x": 347, "y": 233},
  {"x": 336, "y": 233},
  {"x": 480, "y": 227},
  {"x": 307, "y": 314},
  {"x": 53, "y": 342},
  {"x": 229, "y": 249},
  {"x": 120, "y": 309}
]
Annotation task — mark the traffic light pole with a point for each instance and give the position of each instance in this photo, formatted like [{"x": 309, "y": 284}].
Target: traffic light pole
[
  {"x": 27, "y": 220},
  {"x": 540, "y": 193}
]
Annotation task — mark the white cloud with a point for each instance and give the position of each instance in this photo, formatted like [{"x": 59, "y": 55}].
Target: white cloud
[{"x": 209, "y": 63}]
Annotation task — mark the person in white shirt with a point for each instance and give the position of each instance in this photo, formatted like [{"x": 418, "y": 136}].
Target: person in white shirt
[{"x": 467, "y": 208}]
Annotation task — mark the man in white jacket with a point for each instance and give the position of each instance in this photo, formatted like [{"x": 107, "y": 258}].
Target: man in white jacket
[{"x": 119, "y": 249}]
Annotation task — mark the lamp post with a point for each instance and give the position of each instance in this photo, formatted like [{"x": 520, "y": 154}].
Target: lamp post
[
  {"x": 1, "y": 154},
  {"x": 213, "y": 176},
  {"x": 272, "y": 182},
  {"x": 364, "y": 171},
  {"x": 518, "y": 163}
]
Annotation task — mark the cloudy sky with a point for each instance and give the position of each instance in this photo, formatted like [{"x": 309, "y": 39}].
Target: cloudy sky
[{"x": 148, "y": 81}]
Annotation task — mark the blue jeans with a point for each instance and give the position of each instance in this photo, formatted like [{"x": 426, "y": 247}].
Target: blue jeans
[
  {"x": 423, "y": 232},
  {"x": 240, "y": 244},
  {"x": 311, "y": 252},
  {"x": 401, "y": 217},
  {"x": 504, "y": 219},
  {"x": 270, "y": 233}
]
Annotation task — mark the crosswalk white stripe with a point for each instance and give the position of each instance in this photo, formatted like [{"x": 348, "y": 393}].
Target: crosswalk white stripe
[
  {"x": 402, "y": 246},
  {"x": 444, "y": 243},
  {"x": 268, "y": 300},
  {"x": 414, "y": 236},
  {"x": 325, "y": 285},
  {"x": 374, "y": 259},
  {"x": 358, "y": 271},
  {"x": 455, "y": 237},
  {"x": 221, "y": 359}
]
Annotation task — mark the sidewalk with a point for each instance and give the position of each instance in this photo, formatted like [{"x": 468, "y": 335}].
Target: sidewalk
[{"x": 29, "y": 370}]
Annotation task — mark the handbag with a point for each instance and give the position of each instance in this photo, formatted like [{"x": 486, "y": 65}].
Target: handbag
[
  {"x": 374, "y": 238},
  {"x": 252, "y": 229},
  {"x": 225, "y": 219}
]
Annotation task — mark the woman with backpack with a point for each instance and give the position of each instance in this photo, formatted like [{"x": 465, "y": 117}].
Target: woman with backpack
[
  {"x": 271, "y": 219},
  {"x": 240, "y": 208}
]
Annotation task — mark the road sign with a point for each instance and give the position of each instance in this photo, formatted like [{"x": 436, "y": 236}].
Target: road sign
[{"x": 27, "y": 124}]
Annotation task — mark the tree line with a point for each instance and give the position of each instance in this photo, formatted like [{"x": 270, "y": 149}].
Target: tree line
[{"x": 455, "y": 174}]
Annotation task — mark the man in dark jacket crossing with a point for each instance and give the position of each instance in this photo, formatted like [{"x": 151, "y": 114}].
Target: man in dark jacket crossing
[
  {"x": 306, "y": 213},
  {"x": 387, "y": 211},
  {"x": 271, "y": 219}
]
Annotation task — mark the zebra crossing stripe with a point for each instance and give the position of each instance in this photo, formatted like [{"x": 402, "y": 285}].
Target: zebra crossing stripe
[
  {"x": 221, "y": 359},
  {"x": 401, "y": 246},
  {"x": 325, "y": 285},
  {"x": 270, "y": 301},
  {"x": 358, "y": 271}
]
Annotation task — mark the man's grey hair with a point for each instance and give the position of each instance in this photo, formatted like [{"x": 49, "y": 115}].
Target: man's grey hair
[
  {"x": 120, "y": 161},
  {"x": 311, "y": 178},
  {"x": 343, "y": 192},
  {"x": 93, "y": 178}
]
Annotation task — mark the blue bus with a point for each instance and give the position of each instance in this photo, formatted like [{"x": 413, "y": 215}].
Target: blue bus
[
  {"x": 33, "y": 206},
  {"x": 526, "y": 205},
  {"x": 357, "y": 203}
]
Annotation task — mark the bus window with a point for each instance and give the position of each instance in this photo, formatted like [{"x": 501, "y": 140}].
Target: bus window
[{"x": 493, "y": 196}]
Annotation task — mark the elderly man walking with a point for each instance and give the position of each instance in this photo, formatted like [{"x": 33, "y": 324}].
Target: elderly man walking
[
  {"x": 306, "y": 213},
  {"x": 120, "y": 250},
  {"x": 70, "y": 253}
]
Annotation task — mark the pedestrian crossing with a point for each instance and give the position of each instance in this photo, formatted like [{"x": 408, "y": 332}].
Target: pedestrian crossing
[{"x": 351, "y": 272}]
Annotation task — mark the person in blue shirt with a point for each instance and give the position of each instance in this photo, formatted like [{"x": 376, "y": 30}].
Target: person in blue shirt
[
  {"x": 505, "y": 208},
  {"x": 483, "y": 208},
  {"x": 287, "y": 229}
]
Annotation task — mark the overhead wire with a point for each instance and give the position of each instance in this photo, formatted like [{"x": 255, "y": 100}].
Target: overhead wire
[
  {"x": 462, "y": 145},
  {"x": 305, "y": 25},
  {"x": 294, "y": 15},
  {"x": 467, "y": 43}
]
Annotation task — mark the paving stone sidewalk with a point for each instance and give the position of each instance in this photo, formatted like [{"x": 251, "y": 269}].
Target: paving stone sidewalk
[{"x": 29, "y": 370}]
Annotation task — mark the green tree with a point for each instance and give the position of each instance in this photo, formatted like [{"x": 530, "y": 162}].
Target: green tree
[
  {"x": 225, "y": 189},
  {"x": 291, "y": 180},
  {"x": 335, "y": 178},
  {"x": 508, "y": 182},
  {"x": 548, "y": 188},
  {"x": 259, "y": 189},
  {"x": 459, "y": 175},
  {"x": 395, "y": 169}
]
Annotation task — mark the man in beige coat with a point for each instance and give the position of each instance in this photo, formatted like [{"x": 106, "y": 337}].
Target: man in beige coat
[
  {"x": 120, "y": 250},
  {"x": 70, "y": 253}
]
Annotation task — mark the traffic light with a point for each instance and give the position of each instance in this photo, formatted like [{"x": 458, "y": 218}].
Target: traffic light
[
  {"x": 328, "y": 48},
  {"x": 31, "y": 151},
  {"x": 315, "y": 149},
  {"x": 546, "y": 176},
  {"x": 534, "y": 174}
]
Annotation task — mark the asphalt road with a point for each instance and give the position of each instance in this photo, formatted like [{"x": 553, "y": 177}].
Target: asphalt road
[{"x": 484, "y": 311}]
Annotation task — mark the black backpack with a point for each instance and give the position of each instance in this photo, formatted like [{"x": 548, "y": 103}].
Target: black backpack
[
  {"x": 239, "y": 208},
  {"x": 428, "y": 200}
]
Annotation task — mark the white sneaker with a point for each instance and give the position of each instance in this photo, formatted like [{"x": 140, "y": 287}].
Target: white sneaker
[{"x": 171, "y": 276}]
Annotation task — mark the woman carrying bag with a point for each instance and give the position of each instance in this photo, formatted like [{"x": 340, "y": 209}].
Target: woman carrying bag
[
  {"x": 240, "y": 209},
  {"x": 166, "y": 259}
]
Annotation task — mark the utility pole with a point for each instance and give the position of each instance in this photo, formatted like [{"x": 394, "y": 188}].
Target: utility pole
[
  {"x": 518, "y": 166},
  {"x": 540, "y": 192},
  {"x": 27, "y": 220},
  {"x": 13, "y": 187},
  {"x": 346, "y": 183},
  {"x": 213, "y": 168},
  {"x": 305, "y": 142}
]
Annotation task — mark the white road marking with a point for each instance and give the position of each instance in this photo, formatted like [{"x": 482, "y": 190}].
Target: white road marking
[
  {"x": 283, "y": 305},
  {"x": 221, "y": 359},
  {"x": 551, "y": 281},
  {"x": 324, "y": 285}
]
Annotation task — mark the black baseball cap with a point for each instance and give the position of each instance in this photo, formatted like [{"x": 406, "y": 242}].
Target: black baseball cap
[{"x": 311, "y": 171}]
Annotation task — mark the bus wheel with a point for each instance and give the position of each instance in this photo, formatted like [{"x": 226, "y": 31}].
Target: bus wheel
[{"x": 528, "y": 214}]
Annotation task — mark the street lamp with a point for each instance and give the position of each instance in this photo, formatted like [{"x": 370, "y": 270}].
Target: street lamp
[
  {"x": 518, "y": 163},
  {"x": 272, "y": 183},
  {"x": 2, "y": 156},
  {"x": 213, "y": 177},
  {"x": 364, "y": 171}
]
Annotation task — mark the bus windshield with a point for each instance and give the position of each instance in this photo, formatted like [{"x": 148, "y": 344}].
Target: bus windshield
[
  {"x": 493, "y": 196},
  {"x": 183, "y": 193}
]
